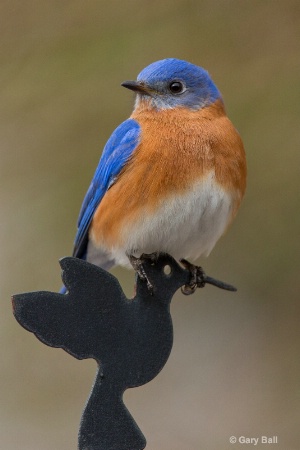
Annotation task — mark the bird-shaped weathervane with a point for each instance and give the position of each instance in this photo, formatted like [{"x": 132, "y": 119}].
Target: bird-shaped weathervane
[{"x": 130, "y": 339}]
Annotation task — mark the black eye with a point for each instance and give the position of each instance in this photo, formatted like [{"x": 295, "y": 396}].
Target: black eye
[{"x": 176, "y": 87}]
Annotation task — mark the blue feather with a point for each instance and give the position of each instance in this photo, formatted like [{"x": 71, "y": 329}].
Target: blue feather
[
  {"x": 200, "y": 89},
  {"x": 116, "y": 153}
]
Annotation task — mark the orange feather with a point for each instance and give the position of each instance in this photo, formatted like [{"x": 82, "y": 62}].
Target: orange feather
[{"x": 178, "y": 147}]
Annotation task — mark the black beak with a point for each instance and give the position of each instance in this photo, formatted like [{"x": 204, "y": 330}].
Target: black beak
[{"x": 136, "y": 86}]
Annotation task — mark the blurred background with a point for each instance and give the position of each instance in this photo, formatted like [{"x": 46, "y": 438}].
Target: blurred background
[{"x": 234, "y": 369}]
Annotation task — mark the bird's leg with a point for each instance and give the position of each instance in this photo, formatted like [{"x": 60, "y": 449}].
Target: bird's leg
[
  {"x": 197, "y": 277},
  {"x": 152, "y": 257},
  {"x": 137, "y": 264}
]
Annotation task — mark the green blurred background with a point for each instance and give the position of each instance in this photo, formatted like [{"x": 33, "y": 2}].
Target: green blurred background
[{"x": 234, "y": 369}]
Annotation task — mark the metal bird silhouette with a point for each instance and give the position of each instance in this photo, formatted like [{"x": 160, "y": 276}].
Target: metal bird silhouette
[{"x": 130, "y": 339}]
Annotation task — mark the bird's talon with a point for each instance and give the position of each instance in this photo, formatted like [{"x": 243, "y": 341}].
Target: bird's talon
[
  {"x": 197, "y": 277},
  {"x": 137, "y": 264},
  {"x": 188, "y": 289}
]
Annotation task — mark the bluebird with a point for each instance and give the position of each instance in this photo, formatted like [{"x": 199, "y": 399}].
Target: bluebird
[{"x": 170, "y": 179}]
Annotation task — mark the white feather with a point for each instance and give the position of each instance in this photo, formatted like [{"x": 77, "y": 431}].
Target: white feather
[{"x": 186, "y": 226}]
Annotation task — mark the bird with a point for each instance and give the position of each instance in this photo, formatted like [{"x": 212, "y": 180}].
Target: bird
[{"x": 171, "y": 177}]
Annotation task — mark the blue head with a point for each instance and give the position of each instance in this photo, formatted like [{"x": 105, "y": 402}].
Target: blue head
[{"x": 172, "y": 83}]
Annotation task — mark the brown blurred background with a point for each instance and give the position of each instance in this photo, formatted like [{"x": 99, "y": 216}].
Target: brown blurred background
[{"x": 234, "y": 369}]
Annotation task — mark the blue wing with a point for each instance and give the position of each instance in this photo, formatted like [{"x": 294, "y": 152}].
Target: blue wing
[{"x": 116, "y": 153}]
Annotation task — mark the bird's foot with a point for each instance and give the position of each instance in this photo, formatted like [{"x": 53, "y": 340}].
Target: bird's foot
[
  {"x": 197, "y": 277},
  {"x": 137, "y": 264}
]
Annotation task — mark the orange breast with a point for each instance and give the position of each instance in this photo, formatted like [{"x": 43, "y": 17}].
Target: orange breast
[{"x": 177, "y": 148}]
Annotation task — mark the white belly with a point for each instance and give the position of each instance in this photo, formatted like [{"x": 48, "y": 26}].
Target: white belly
[{"x": 185, "y": 226}]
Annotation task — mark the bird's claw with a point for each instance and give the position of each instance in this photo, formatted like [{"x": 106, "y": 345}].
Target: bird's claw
[
  {"x": 198, "y": 279},
  {"x": 137, "y": 264}
]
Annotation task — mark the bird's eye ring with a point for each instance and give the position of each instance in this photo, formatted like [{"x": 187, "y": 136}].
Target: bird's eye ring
[{"x": 176, "y": 87}]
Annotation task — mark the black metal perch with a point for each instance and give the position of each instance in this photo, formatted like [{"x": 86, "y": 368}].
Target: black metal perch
[{"x": 130, "y": 339}]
